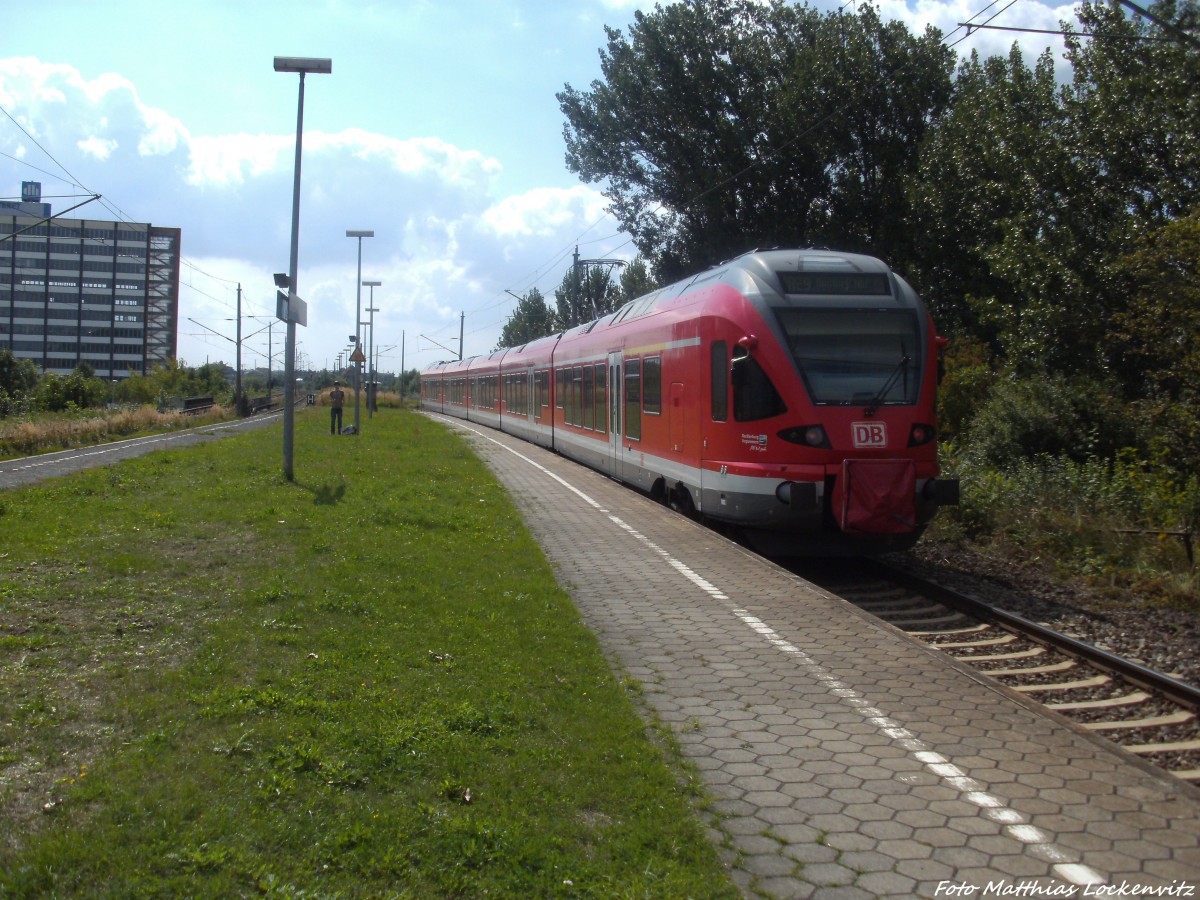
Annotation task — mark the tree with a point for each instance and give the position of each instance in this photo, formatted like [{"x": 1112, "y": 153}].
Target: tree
[
  {"x": 1156, "y": 339},
  {"x": 635, "y": 281},
  {"x": 1133, "y": 109},
  {"x": 530, "y": 320},
  {"x": 725, "y": 125},
  {"x": 886, "y": 87},
  {"x": 1001, "y": 218},
  {"x": 17, "y": 376},
  {"x": 586, "y": 293}
]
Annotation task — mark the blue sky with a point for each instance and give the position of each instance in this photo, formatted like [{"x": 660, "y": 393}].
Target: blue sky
[{"x": 438, "y": 129}]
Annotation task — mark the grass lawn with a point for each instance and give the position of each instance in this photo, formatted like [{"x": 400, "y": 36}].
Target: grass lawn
[{"x": 214, "y": 682}]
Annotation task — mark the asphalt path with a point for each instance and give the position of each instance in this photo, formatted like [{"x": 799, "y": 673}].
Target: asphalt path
[{"x": 27, "y": 470}]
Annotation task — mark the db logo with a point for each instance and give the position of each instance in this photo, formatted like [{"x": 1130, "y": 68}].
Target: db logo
[{"x": 869, "y": 434}]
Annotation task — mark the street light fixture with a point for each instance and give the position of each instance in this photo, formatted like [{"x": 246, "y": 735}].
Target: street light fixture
[
  {"x": 371, "y": 347},
  {"x": 358, "y": 315},
  {"x": 302, "y": 66}
]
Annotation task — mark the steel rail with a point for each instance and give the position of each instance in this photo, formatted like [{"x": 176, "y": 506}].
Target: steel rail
[{"x": 1173, "y": 689}]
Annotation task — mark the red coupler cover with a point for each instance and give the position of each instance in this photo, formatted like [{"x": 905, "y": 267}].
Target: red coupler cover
[{"x": 876, "y": 496}]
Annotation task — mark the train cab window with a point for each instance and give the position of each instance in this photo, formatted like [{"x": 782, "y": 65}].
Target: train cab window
[
  {"x": 633, "y": 399},
  {"x": 719, "y": 357},
  {"x": 652, "y": 386},
  {"x": 852, "y": 356},
  {"x": 754, "y": 396}
]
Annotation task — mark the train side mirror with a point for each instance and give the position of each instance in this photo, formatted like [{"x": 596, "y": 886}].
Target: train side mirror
[{"x": 737, "y": 371}]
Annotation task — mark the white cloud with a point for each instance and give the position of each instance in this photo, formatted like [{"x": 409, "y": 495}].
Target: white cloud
[
  {"x": 228, "y": 159},
  {"x": 542, "y": 212},
  {"x": 163, "y": 133},
  {"x": 100, "y": 148}
]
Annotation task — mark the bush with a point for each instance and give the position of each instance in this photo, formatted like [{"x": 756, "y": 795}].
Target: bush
[
  {"x": 966, "y": 384},
  {"x": 1049, "y": 416}
]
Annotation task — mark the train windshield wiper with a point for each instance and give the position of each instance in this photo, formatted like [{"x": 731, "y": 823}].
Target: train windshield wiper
[{"x": 902, "y": 366}]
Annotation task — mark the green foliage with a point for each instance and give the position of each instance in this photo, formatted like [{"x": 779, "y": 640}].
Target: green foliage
[
  {"x": 965, "y": 386},
  {"x": 636, "y": 281},
  {"x": 721, "y": 125},
  {"x": 1048, "y": 416},
  {"x": 1158, "y": 333},
  {"x": 174, "y": 381},
  {"x": 531, "y": 319},
  {"x": 1107, "y": 520},
  {"x": 23, "y": 390},
  {"x": 1011, "y": 200},
  {"x": 584, "y": 295},
  {"x": 18, "y": 377},
  {"x": 990, "y": 205},
  {"x": 77, "y": 391},
  {"x": 1133, "y": 112}
]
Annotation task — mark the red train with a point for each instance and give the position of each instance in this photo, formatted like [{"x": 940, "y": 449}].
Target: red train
[{"x": 787, "y": 393}]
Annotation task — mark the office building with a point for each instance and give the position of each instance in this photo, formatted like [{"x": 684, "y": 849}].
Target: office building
[{"x": 85, "y": 291}]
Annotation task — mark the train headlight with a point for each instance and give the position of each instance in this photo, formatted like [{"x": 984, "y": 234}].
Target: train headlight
[
  {"x": 807, "y": 435},
  {"x": 921, "y": 434}
]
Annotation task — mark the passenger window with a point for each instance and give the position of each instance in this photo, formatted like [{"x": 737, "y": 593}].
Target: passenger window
[
  {"x": 652, "y": 385},
  {"x": 601, "y": 404},
  {"x": 633, "y": 399}
]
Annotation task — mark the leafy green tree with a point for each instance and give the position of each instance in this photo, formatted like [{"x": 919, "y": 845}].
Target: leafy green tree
[
  {"x": 884, "y": 86},
  {"x": 209, "y": 380},
  {"x": 1157, "y": 335},
  {"x": 530, "y": 320},
  {"x": 635, "y": 281},
  {"x": 1155, "y": 340},
  {"x": 686, "y": 105},
  {"x": 84, "y": 390},
  {"x": 50, "y": 395},
  {"x": 584, "y": 296},
  {"x": 409, "y": 383},
  {"x": 988, "y": 200},
  {"x": 17, "y": 376},
  {"x": 725, "y": 125},
  {"x": 1134, "y": 112}
]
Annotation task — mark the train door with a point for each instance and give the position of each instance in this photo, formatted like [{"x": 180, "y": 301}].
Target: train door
[{"x": 616, "y": 406}]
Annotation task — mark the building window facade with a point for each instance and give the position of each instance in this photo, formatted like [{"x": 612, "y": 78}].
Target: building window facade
[{"x": 74, "y": 290}]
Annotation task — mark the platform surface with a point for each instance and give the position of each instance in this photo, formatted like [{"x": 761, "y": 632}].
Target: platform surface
[{"x": 844, "y": 758}]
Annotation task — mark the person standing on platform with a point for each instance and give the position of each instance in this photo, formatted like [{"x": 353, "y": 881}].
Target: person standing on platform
[{"x": 336, "y": 398}]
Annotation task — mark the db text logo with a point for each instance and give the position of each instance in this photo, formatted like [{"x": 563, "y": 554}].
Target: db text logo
[{"x": 869, "y": 434}]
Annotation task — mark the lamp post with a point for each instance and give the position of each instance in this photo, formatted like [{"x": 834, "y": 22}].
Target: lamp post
[
  {"x": 371, "y": 347},
  {"x": 358, "y": 315},
  {"x": 301, "y": 65}
]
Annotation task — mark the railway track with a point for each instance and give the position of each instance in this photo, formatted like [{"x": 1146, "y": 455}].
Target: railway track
[{"x": 1149, "y": 713}]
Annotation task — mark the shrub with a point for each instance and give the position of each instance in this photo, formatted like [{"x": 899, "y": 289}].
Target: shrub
[
  {"x": 966, "y": 382},
  {"x": 1048, "y": 416}
]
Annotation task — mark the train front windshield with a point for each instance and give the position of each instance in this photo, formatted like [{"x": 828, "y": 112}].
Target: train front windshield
[{"x": 856, "y": 356}]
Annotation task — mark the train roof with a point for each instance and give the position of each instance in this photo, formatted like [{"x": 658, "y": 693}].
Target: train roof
[
  {"x": 818, "y": 275},
  {"x": 810, "y": 272}
]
